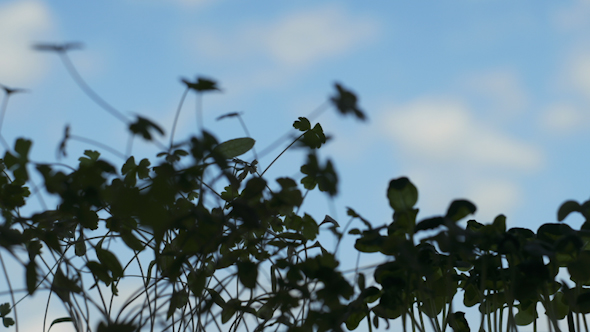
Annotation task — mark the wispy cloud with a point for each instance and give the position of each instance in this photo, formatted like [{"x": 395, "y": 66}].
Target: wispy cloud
[
  {"x": 22, "y": 23},
  {"x": 443, "y": 129},
  {"x": 298, "y": 39},
  {"x": 453, "y": 154},
  {"x": 564, "y": 118}
]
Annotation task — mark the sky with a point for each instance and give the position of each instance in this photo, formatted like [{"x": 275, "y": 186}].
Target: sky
[{"x": 477, "y": 99}]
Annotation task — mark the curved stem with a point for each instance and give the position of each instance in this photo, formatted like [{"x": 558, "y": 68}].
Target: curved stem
[{"x": 88, "y": 91}]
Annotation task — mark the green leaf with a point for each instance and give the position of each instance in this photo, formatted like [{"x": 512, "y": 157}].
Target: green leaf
[
  {"x": 99, "y": 271},
  {"x": 248, "y": 273},
  {"x": 110, "y": 261},
  {"x": 458, "y": 322},
  {"x": 302, "y": 124},
  {"x": 402, "y": 194},
  {"x": 202, "y": 84},
  {"x": 229, "y": 309},
  {"x": 144, "y": 127},
  {"x": 7, "y": 321},
  {"x": 460, "y": 209},
  {"x": 526, "y": 314},
  {"x": 235, "y": 147},
  {"x": 59, "y": 320},
  {"x": 131, "y": 241},
  {"x": 5, "y": 309},
  {"x": 31, "y": 273},
  {"x": 566, "y": 208},
  {"x": 346, "y": 102}
]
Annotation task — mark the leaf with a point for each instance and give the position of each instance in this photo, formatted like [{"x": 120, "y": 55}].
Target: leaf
[
  {"x": 7, "y": 321},
  {"x": 458, "y": 322},
  {"x": 59, "y": 320},
  {"x": 31, "y": 273},
  {"x": 234, "y": 147},
  {"x": 460, "y": 209},
  {"x": 229, "y": 115},
  {"x": 526, "y": 314},
  {"x": 429, "y": 223},
  {"x": 100, "y": 272},
  {"x": 229, "y": 310},
  {"x": 248, "y": 273},
  {"x": 566, "y": 208},
  {"x": 202, "y": 84},
  {"x": 5, "y": 309},
  {"x": 402, "y": 194},
  {"x": 346, "y": 102},
  {"x": 110, "y": 261},
  {"x": 302, "y": 124},
  {"x": 144, "y": 127}
]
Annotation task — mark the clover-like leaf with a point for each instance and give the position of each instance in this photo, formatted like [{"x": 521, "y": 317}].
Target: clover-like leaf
[
  {"x": 144, "y": 127},
  {"x": 302, "y": 124},
  {"x": 346, "y": 102}
]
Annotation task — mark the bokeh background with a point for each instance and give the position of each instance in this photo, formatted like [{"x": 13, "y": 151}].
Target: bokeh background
[{"x": 485, "y": 100}]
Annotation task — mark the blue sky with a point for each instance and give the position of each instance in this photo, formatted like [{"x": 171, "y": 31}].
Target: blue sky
[{"x": 485, "y": 100}]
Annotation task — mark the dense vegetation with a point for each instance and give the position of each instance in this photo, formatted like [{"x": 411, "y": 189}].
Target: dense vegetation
[{"x": 214, "y": 244}]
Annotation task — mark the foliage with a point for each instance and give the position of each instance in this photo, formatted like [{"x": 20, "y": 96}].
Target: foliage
[{"x": 213, "y": 244}]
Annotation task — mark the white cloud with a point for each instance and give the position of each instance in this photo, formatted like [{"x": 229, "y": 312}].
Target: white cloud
[
  {"x": 563, "y": 118},
  {"x": 443, "y": 130},
  {"x": 297, "y": 39},
  {"x": 579, "y": 72},
  {"x": 493, "y": 196},
  {"x": 502, "y": 88},
  {"x": 22, "y": 23}
]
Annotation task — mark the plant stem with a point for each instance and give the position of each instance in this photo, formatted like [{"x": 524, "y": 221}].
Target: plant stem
[
  {"x": 88, "y": 91},
  {"x": 184, "y": 94}
]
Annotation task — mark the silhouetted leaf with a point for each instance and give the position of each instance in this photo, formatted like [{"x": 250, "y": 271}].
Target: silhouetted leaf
[
  {"x": 460, "y": 209},
  {"x": 234, "y": 147},
  {"x": 248, "y": 273},
  {"x": 566, "y": 208},
  {"x": 346, "y": 102},
  {"x": 59, "y": 320},
  {"x": 144, "y": 127},
  {"x": 458, "y": 322},
  {"x": 201, "y": 84},
  {"x": 302, "y": 124}
]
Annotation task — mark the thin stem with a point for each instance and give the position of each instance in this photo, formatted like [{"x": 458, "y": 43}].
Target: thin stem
[
  {"x": 184, "y": 94},
  {"x": 280, "y": 154},
  {"x": 100, "y": 145},
  {"x": 88, "y": 91},
  {"x": 11, "y": 291},
  {"x": 200, "y": 124},
  {"x": 3, "y": 109}
]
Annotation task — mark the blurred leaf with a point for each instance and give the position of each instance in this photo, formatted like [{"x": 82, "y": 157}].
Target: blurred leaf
[
  {"x": 201, "y": 84},
  {"x": 458, "y": 322},
  {"x": 402, "y": 194},
  {"x": 460, "y": 209},
  {"x": 234, "y": 147},
  {"x": 144, "y": 127},
  {"x": 110, "y": 261},
  {"x": 566, "y": 208},
  {"x": 31, "y": 273},
  {"x": 346, "y": 102},
  {"x": 248, "y": 273}
]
